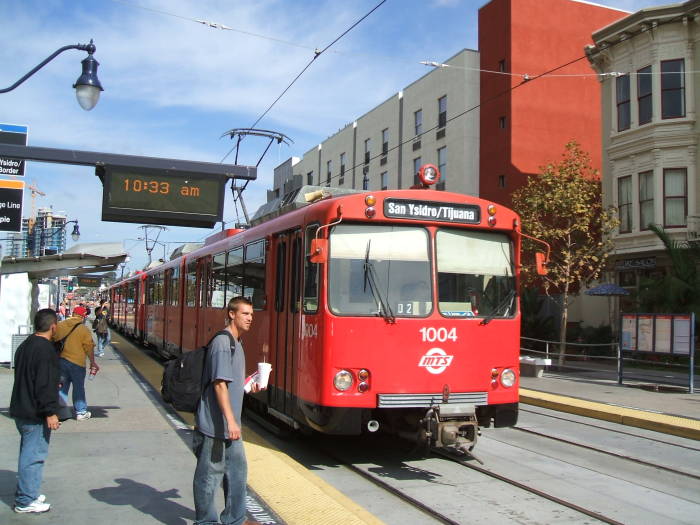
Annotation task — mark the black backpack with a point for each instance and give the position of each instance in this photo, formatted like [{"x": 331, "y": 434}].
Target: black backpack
[{"x": 182, "y": 384}]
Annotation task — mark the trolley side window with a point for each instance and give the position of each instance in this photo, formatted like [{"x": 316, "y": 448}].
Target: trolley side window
[
  {"x": 234, "y": 273},
  {"x": 475, "y": 274},
  {"x": 174, "y": 290},
  {"x": 254, "y": 281},
  {"x": 217, "y": 295},
  {"x": 311, "y": 273},
  {"x": 379, "y": 270},
  {"x": 191, "y": 285}
]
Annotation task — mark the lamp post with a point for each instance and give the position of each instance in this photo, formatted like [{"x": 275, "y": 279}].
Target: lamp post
[
  {"x": 75, "y": 234},
  {"x": 87, "y": 87}
]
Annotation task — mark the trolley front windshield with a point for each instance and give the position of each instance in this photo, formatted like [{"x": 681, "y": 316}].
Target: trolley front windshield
[
  {"x": 379, "y": 270},
  {"x": 475, "y": 274}
]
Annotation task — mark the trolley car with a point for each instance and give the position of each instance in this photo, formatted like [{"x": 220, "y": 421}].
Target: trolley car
[{"x": 394, "y": 310}]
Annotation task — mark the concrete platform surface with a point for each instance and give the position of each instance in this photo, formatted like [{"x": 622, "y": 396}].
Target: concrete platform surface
[{"x": 132, "y": 463}]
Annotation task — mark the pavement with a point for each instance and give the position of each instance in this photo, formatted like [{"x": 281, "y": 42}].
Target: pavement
[{"x": 132, "y": 463}]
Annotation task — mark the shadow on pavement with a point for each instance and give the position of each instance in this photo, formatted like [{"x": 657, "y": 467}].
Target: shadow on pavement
[
  {"x": 146, "y": 499},
  {"x": 8, "y": 482}
]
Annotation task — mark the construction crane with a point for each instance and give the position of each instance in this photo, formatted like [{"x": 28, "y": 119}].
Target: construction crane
[{"x": 32, "y": 218}]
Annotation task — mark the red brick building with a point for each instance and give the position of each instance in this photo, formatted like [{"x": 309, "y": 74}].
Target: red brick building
[{"x": 528, "y": 127}]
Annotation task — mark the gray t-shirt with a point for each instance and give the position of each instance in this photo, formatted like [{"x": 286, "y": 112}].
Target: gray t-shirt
[{"x": 220, "y": 363}]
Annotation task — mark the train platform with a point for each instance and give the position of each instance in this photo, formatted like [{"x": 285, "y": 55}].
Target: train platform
[
  {"x": 671, "y": 411},
  {"x": 132, "y": 462}
]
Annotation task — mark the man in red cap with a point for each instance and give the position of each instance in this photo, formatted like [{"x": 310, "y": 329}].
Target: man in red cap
[{"x": 78, "y": 346}]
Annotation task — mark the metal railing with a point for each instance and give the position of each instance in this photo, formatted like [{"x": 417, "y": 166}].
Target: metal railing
[{"x": 607, "y": 361}]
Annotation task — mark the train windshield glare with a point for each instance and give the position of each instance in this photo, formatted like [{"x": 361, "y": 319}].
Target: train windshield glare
[
  {"x": 475, "y": 274},
  {"x": 400, "y": 268}
]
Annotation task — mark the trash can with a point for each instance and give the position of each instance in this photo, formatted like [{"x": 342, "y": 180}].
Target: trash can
[{"x": 17, "y": 339}]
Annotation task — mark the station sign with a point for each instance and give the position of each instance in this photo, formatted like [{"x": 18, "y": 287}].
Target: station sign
[
  {"x": 89, "y": 282},
  {"x": 162, "y": 196},
  {"x": 11, "y": 197},
  {"x": 16, "y": 135},
  {"x": 432, "y": 211}
]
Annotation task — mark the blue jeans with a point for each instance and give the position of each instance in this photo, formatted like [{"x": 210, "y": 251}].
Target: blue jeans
[
  {"x": 217, "y": 460},
  {"x": 33, "y": 449},
  {"x": 102, "y": 340},
  {"x": 75, "y": 374}
]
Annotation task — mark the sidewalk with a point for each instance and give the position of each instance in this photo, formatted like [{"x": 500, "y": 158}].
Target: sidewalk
[{"x": 674, "y": 413}]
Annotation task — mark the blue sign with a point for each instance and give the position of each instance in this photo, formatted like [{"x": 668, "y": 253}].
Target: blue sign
[{"x": 16, "y": 135}]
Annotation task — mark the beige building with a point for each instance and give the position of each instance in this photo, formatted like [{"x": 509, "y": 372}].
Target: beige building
[
  {"x": 383, "y": 148},
  {"x": 647, "y": 64}
]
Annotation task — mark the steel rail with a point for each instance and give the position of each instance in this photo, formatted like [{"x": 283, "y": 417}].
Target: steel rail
[
  {"x": 609, "y": 453},
  {"x": 605, "y": 428},
  {"x": 527, "y": 488}
]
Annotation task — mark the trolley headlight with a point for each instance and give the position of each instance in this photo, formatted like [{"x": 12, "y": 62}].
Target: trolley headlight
[
  {"x": 342, "y": 380},
  {"x": 508, "y": 377}
]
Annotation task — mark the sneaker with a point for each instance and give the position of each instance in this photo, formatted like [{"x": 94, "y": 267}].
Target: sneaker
[
  {"x": 35, "y": 506},
  {"x": 82, "y": 416},
  {"x": 101, "y": 354}
]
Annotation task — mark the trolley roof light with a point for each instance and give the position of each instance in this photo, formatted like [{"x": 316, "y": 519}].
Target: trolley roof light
[
  {"x": 370, "y": 200},
  {"x": 429, "y": 174}
]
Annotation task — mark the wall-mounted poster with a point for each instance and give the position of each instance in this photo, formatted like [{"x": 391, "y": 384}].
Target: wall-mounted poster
[
  {"x": 629, "y": 332},
  {"x": 662, "y": 334},
  {"x": 645, "y": 333},
  {"x": 681, "y": 334}
]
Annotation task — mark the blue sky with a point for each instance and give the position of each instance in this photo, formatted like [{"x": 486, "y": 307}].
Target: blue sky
[{"x": 173, "y": 86}]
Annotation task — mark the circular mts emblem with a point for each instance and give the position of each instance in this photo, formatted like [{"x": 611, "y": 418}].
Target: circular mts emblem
[{"x": 435, "y": 360}]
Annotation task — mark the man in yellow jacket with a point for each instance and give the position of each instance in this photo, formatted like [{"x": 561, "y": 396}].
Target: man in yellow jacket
[{"x": 78, "y": 346}]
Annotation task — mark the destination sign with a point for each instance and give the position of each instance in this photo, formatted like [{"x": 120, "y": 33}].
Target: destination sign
[{"x": 432, "y": 211}]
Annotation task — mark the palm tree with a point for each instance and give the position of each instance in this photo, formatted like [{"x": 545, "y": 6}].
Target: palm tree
[{"x": 678, "y": 291}]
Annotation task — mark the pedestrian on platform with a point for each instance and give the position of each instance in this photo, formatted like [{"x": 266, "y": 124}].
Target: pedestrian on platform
[
  {"x": 217, "y": 439},
  {"x": 34, "y": 407},
  {"x": 78, "y": 347},
  {"x": 101, "y": 328}
]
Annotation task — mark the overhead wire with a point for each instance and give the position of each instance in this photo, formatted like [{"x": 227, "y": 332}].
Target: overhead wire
[
  {"x": 526, "y": 80},
  {"x": 317, "y": 54}
]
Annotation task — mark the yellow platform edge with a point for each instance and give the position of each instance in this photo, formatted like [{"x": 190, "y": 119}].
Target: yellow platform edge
[
  {"x": 295, "y": 494},
  {"x": 677, "y": 426}
]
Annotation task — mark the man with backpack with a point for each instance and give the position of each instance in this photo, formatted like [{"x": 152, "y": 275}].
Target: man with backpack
[
  {"x": 217, "y": 439},
  {"x": 101, "y": 327}
]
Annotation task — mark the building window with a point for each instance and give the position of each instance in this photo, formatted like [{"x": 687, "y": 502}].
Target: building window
[
  {"x": 442, "y": 166},
  {"x": 644, "y": 103},
  {"x": 329, "y": 170},
  {"x": 416, "y": 168},
  {"x": 385, "y": 141},
  {"x": 384, "y": 180},
  {"x": 623, "y": 102},
  {"x": 673, "y": 88},
  {"x": 675, "y": 197},
  {"x": 310, "y": 178},
  {"x": 341, "y": 178},
  {"x": 368, "y": 147},
  {"x": 646, "y": 199},
  {"x": 501, "y": 181},
  {"x": 624, "y": 203},
  {"x": 502, "y": 122},
  {"x": 502, "y": 66},
  {"x": 442, "y": 112},
  {"x": 418, "y": 121}
]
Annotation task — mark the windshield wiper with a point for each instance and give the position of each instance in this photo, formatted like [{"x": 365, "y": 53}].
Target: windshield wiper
[
  {"x": 505, "y": 303},
  {"x": 371, "y": 279}
]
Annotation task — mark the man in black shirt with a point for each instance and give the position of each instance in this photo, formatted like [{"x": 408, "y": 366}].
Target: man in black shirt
[{"x": 34, "y": 407}]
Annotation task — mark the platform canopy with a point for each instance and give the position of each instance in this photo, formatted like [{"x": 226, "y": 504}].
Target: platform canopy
[{"x": 83, "y": 258}]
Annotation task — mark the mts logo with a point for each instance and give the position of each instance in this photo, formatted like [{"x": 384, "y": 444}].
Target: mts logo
[{"x": 435, "y": 360}]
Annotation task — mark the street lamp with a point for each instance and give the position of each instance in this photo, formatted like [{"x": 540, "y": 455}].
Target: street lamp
[{"x": 87, "y": 87}]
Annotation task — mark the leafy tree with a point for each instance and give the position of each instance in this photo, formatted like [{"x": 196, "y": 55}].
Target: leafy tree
[
  {"x": 562, "y": 205},
  {"x": 678, "y": 291}
]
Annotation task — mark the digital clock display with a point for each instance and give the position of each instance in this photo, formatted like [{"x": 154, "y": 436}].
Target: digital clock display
[{"x": 169, "y": 197}]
